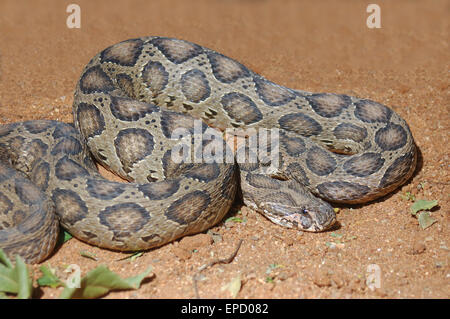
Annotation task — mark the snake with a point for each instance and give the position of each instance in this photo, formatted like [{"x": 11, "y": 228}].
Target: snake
[{"x": 154, "y": 110}]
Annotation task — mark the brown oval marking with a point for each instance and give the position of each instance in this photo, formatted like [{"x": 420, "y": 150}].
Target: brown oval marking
[
  {"x": 398, "y": 170},
  {"x": 272, "y": 94},
  {"x": 203, "y": 172},
  {"x": 226, "y": 70},
  {"x": 188, "y": 208},
  {"x": 340, "y": 191},
  {"x": 350, "y": 131},
  {"x": 195, "y": 86},
  {"x": 124, "y": 219},
  {"x": 124, "y": 53},
  {"x": 155, "y": 77},
  {"x": 364, "y": 165},
  {"x": 27, "y": 191},
  {"x": 171, "y": 121},
  {"x": 66, "y": 169},
  {"x": 103, "y": 189},
  {"x": 132, "y": 145},
  {"x": 94, "y": 80},
  {"x": 38, "y": 126},
  {"x": 300, "y": 124},
  {"x": 67, "y": 145},
  {"x": 40, "y": 175},
  {"x": 69, "y": 206},
  {"x": 370, "y": 111},
  {"x": 391, "y": 137},
  {"x": 130, "y": 110},
  {"x": 241, "y": 108},
  {"x": 90, "y": 119},
  {"x": 63, "y": 130},
  {"x": 160, "y": 190},
  {"x": 320, "y": 162},
  {"x": 328, "y": 104},
  {"x": 294, "y": 146},
  {"x": 262, "y": 181},
  {"x": 177, "y": 51}
]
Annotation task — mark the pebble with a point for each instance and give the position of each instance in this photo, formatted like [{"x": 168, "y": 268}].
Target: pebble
[
  {"x": 417, "y": 248},
  {"x": 321, "y": 279}
]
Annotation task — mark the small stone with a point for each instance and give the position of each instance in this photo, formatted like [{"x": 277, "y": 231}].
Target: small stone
[
  {"x": 417, "y": 248},
  {"x": 195, "y": 242},
  {"x": 321, "y": 279},
  {"x": 181, "y": 253}
]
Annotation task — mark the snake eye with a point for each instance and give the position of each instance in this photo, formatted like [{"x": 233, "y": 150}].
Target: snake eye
[{"x": 304, "y": 211}]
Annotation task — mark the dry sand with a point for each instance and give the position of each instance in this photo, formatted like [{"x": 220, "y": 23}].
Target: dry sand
[{"x": 319, "y": 46}]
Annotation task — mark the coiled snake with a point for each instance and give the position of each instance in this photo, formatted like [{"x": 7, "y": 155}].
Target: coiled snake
[{"x": 133, "y": 98}]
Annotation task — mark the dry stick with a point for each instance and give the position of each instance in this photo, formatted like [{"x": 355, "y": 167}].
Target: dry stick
[{"x": 212, "y": 263}]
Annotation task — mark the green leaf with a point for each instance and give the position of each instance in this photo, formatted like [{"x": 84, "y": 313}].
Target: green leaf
[
  {"x": 67, "y": 236},
  {"x": 234, "y": 219},
  {"x": 425, "y": 220},
  {"x": 100, "y": 281},
  {"x": 423, "y": 204},
  {"x": 49, "y": 278},
  {"x": 84, "y": 253},
  {"x": 15, "y": 279}
]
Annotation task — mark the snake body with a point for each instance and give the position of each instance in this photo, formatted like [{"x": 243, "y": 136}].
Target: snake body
[{"x": 130, "y": 101}]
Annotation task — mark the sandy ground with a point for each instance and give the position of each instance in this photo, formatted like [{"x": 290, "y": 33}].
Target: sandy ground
[{"x": 319, "y": 46}]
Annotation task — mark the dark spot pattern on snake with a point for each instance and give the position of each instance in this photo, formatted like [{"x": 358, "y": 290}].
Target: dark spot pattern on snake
[
  {"x": 95, "y": 80},
  {"x": 320, "y": 162},
  {"x": 262, "y": 181},
  {"x": 188, "y": 208},
  {"x": 241, "y": 108},
  {"x": 125, "y": 53},
  {"x": 364, "y": 165},
  {"x": 301, "y": 124},
  {"x": 391, "y": 137},
  {"x": 226, "y": 70},
  {"x": 342, "y": 191},
  {"x": 103, "y": 189},
  {"x": 130, "y": 110},
  {"x": 132, "y": 145},
  {"x": 195, "y": 86},
  {"x": 398, "y": 170},
  {"x": 124, "y": 219},
  {"x": 272, "y": 94},
  {"x": 328, "y": 104},
  {"x": 350, "y": 131},
  {"x": 160, "y": 190},
  {"x": 177, "y": 51},
  {"x": 371, "y": 112},
  {"x": 155, "y": 77},
  {"x": 67, "y": 169},
  {"x": 69, "y": 206},
  {"x": 67, "y": 145},
  {"x": 91, "y": 120},
  {"x": 40, "y": 175}
]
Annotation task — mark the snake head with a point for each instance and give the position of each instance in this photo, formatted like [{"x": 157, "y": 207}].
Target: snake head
[{"x": 314, "y": 218}]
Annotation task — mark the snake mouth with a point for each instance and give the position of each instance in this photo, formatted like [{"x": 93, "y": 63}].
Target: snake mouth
[{"x": 318, "y": 219}]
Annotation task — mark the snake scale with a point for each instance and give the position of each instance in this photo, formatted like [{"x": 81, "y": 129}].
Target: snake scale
[{"x": 130, "y": 101}]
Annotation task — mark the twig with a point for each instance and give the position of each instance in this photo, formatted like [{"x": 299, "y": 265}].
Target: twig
[{"x": 212, "y": 263}]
